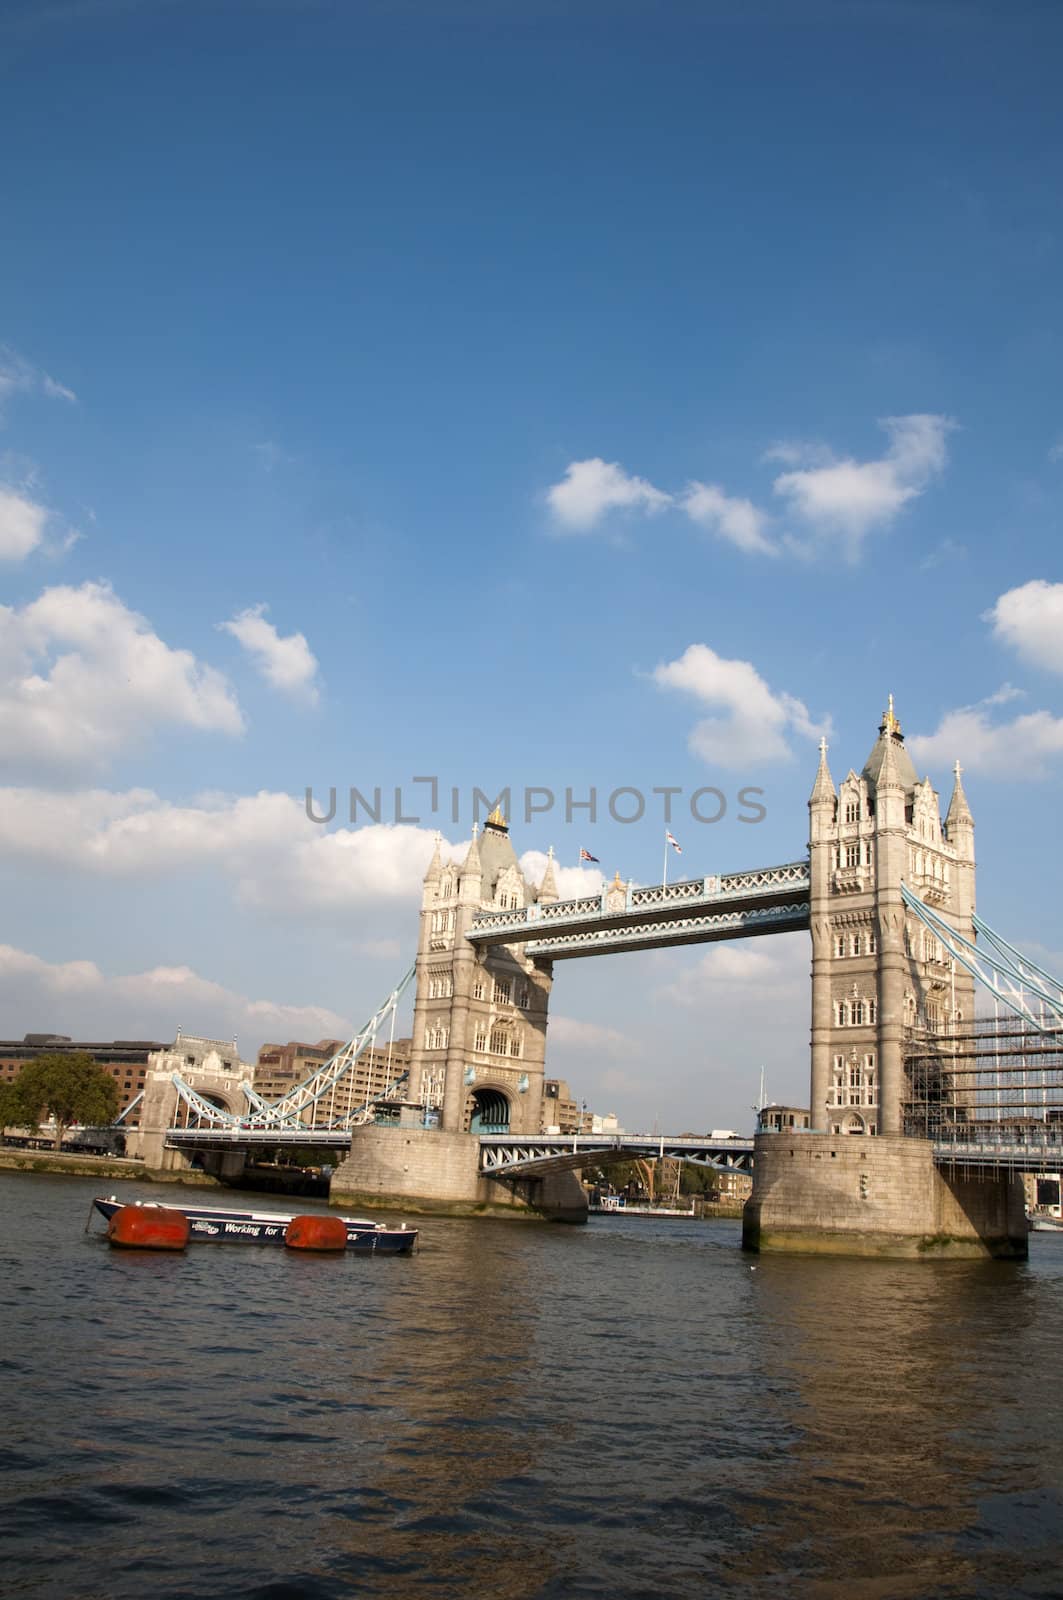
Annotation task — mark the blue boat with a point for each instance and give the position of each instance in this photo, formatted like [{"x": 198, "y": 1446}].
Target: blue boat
[{"x": 224, "y": 1225}]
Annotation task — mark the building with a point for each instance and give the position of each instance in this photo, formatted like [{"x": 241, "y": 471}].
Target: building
[
  {"x": 125, "y": 1059},
  {"x": 878, "y": 974},
  {"x": 560, "y": 1112},
  {"x": 282, "y": 1067}
]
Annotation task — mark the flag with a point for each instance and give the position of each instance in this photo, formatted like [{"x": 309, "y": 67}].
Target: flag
[
  {"x": 585, "y": 855},
  {"x": 674, "y": 842}
]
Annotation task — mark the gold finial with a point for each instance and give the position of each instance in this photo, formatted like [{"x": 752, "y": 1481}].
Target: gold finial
[
  {"x": 617, "y": 882},
  {"x": 890, "y": 722},
  {"x": 496, "y": 819}
]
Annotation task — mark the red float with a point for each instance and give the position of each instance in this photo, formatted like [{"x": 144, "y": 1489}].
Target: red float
[
  {"x": 148, "y": 1228},
  {"x": 316, "y": 1233}
]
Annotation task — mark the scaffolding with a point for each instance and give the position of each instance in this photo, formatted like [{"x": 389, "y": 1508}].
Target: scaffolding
[{"x": 992, "y": 1081}]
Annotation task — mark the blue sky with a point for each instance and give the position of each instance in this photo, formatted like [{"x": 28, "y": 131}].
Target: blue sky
[{"x": 540, "y": 395}]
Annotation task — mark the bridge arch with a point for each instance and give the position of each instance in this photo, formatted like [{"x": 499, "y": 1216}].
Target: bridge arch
[{"x": 488, "y": 1110}]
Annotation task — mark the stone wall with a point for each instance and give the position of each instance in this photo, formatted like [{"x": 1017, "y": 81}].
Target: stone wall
[
  {"x": 427, "y": 1170},
  {"x": 818, "y": 1194}
]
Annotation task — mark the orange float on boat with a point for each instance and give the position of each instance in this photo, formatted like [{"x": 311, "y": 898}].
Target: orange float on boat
[
  {"x": 316, "y": 1233},
  {"x": 148, "y": 1228}
]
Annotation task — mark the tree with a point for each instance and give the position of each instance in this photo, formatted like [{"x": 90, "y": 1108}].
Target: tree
[
  {"x": 11, "y": 1113},
  {"x": 71, "y": 1088}
]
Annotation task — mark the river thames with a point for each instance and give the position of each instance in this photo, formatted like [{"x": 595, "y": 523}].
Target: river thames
[{"x": 632, "y": 1409}]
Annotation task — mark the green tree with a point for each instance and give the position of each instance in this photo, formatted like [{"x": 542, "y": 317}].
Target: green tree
[
  {"x": 11, "y": 1112},
  {"x": 71, "y": 1088}
]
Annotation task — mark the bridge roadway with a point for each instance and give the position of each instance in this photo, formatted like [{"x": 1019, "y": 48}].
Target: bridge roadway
[
  {"x": 504, "y": 1155},
  {"x": 733, "y": 905}
]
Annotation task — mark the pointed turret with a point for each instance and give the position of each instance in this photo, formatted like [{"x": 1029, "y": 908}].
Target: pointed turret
[
  {"x": 823, "y": 791},
  {"x": 959, "y": 811},
  {"x": 889, "y": 773},
  {"x": 548, "y": 888},
  {"x": 435, "y": 866},
  {"x": 471, "y": 866}
]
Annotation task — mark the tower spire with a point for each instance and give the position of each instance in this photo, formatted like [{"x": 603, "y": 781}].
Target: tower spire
[
  {"x": 548, "y": 887},
  {"x": 823, "y": 788},
  {"x": 959, "y": 811}
]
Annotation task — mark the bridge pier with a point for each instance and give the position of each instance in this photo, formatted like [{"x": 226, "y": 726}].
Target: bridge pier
[
  {"x": 427, "y": 1170},
  {"x": 821, "y": 1194}
]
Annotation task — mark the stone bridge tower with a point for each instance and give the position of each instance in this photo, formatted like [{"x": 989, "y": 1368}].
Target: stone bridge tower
[
  {"x": 479, "y": 1019},
  {"x": 877, "y": 973}
]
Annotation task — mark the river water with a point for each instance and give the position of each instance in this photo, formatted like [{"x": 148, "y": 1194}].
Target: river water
[{"x": 632, "y": 1409}]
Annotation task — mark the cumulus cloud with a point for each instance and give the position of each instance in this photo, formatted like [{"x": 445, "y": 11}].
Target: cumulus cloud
[
  {"x": 754, "y": 721},
  {"x": 22, "y": 524},
  {"x": 287, "y": 663},
  {"x": 726, "y": 974},
  {"x": 76, "y": 998},
  {"x": 81, "y": 675},
  {"x": 572, "y": 882},
  {"x": 1018, "y": 750},
  {"x": 847, "y": 498},
  {"x": 1030, "y": 620},
  {"x": 593, "y": 487},
  {"x": 584, "y": 1036},
  {"x": 264, "y": 844},
  {"x": 734, "y": 519}
]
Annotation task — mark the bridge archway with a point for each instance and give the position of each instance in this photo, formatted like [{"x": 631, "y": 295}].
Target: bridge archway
[
  {"x": 488, "y": 1111},
  {"x": 853, "y": 1124}
]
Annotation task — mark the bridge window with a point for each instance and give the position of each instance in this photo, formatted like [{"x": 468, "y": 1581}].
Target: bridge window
[
  {"x": 852, "y": 855},
  {"x": 856, "y": 944},
  {"x": 478, "y": 989},
  {"x": 842, "y": 1013},
  {"x": 440, "y": 985},
  {"x": 852, "y": 811},
  {"x": 870, "y": 943},
  {"x": 524, "y": 997},
  {"x": 437, "y": 1036},
  {"x": 839, "y": 945},
  {"x": 499, "y": 1041},
  {"x": 480, "y": 1039},
  {"x": 442, "y": 921},
  {"x": 515, "y": 1043},
  {"x": 859, "y": 1014},
  {"x": 872, "y": 1009},
  {"x": 503, "y": 991},
  {"x": 867, "y": 852}
]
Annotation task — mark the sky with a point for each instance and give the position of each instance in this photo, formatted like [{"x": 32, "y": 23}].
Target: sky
[{"x": 527, "y": 397}]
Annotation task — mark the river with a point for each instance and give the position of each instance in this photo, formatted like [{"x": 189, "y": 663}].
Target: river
[{"x": 629, "y": 1410}]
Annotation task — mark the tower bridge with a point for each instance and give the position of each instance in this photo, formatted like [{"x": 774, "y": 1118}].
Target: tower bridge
[{"x": 901, "y": 1149}]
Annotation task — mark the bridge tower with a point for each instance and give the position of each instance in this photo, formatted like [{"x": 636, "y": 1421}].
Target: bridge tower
[
  {"x": 877, "y": 974},
  {"x": 878, "y": 978},
  {"x": 479, "y": 1019}
]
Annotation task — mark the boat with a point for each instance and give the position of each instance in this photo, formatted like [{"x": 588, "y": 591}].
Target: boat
[
  {"x": 1044, "y": 1222},
  {"x": 226, "y": 1225}
]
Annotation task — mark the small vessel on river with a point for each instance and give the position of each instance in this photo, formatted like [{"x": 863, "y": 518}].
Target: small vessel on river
[{"x": 225, "y": 1225}]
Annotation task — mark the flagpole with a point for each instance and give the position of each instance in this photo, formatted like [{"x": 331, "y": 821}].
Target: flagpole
[{"x": 664, "y": 869}]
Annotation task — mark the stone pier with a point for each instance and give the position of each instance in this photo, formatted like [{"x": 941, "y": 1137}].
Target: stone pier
[
  {"x": 429, "y": 1171},
  {"x": 821, "y": 1194}
]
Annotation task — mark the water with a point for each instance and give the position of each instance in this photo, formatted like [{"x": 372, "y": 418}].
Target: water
[{"x": 522, "y": 1410}]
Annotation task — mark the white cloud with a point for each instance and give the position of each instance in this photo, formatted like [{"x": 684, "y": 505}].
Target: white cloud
[
  {"x": 591, "y": 488},
  {"x": 1030, "y": 620},
  {"x": 264, "y": 843},
  {"x": 755, "y": 720},
  {"x": 287, "y": 663},
  {"x": 1017, "y": 750},
  {"x": 1056, "y": 452},
  {"x": 725, "y": 975},
  {"x": 76, "y": 998},
  {"x": 572, "y": 882},
  {"x": 849, "y": 498},
  {"x": 605, "y": 1041},
  {"x": 737, "y": 520},
  {"x": 81, "y": 674},
  {"x": 18, "y": 376},
  {"x": 22, "y": 524}
]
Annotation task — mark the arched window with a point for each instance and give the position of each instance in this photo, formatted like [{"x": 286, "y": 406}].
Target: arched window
[
  {"x": 843, "y": 1013},
  {"x": 859, "y": 1013},
  {"x": 872, "y": 1009},
  {"x": 480, "y": 1039},
  {"x": 856, "y": 944},
  {"x": 839, "y": 945}
]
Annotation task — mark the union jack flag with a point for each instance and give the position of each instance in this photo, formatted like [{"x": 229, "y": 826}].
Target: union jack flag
[
  {"x": 674, "y": 842},
  {"x": 585, "y": 855}
]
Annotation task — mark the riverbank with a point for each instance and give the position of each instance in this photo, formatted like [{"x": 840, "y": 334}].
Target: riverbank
[{"x": 72, "y": 1165}]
